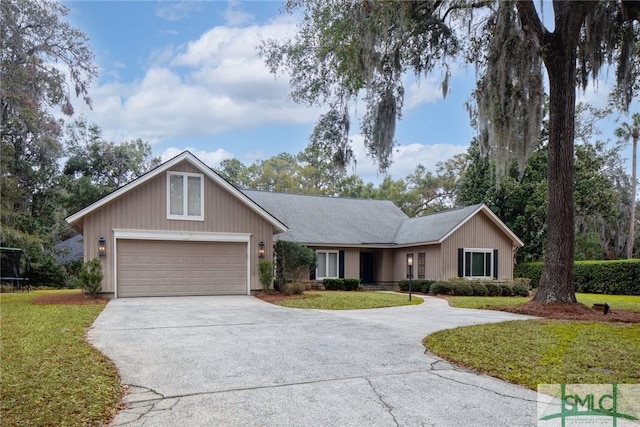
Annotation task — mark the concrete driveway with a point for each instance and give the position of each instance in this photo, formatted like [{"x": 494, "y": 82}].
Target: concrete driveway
[{"x": 217, "y": 361}]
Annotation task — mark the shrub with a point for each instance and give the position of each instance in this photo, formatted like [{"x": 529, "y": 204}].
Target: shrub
[
  {"x": 506, "y": 290},
  {"x": 265, "y": 272},
  {"x": 45, "y": 271},
  {"x": 292, "y": 259},
  {"x": 462, "y": 289},
  {"x": 420, "y": 285},
  {"x": 333, "y": 284},
  {"x": 619, "y": 277},
  {"x": 493, "y": 289},
  {"x": 479, "y": 289},
  {"x": 443, "y": 288},
  {"x": 351, "y": 284},
  {"x": 425, "y": 285},
  {"x": 90, "y": 277},
  {"x": 520, "y": 290},
  {"x": 293, "y": 288}
]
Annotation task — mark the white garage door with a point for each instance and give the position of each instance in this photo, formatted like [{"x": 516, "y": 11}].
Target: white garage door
[{"x": 169, "y": 268}]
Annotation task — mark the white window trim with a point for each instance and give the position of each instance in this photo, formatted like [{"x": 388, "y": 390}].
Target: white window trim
[
  {"x": 464, "y": 263},
  {"x": 318, "y": 277},
  {"x": 185, "y": 199}
]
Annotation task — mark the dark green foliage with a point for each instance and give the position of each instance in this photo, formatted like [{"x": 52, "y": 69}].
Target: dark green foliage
[
  {"x": 351, "y": 284},
  {"x": 530, "y": 270},
  {"x": 620, "y": 277},
  {"x": 416, "y": 285},
  {"x": 493, "y": 289},
  {"x": 479, "y": 289},
  {"x": 333, "y": 284},
  {"x": 462, "y": 289},
  {"x": 506, "y": 290},
  {"x": 293, "y": 261},
  {"x": 520, "y": 290},
  {"x": 45, "y": 271},
  {"x": 265, "y": 272},
  {"x": 90, "y": 277},
  {"x": 443, "y": 288},
  {"x": 341, "y": 284}
]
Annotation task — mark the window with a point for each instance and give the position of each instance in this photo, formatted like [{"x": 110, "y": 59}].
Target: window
[
  {"x": 185, "y": 196},
  {"x": 478, "y": 263},
  {"x": 421, "y": 265},
  {"x": 327, "y": 266}
]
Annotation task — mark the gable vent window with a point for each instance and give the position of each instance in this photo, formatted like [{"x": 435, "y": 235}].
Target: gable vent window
[{"x": 185, "y": 196}]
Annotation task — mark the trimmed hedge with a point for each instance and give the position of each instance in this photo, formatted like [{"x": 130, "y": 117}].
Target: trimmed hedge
[
  {"x": 619, "y": 277},
  {"x": 461, "y": 287},
  {"x": 416, "y": 285},
  {"x": 341, "y": 284}
]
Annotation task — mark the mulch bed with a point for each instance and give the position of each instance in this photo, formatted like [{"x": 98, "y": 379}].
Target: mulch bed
[
  {"x": 71, "y": 298},
  {"x": 574, "y": 311},
  {"x": 276, "y": 297}
]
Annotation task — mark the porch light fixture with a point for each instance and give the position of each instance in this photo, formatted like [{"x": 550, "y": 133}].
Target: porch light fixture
[
  {"x": 102, "y": 246},
  {"x": 410, "y": 271},
  {"x": 261, "y": 250}
]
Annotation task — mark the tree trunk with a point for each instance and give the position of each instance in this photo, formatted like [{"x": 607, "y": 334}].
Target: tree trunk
[
  {"x": 559, "y": 54},
  {"x": 633, "y": 200}
]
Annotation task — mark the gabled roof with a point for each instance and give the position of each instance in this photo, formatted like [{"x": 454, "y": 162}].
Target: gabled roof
[
  {"x": 333, "y": 221},
  {"x": 435, "y": 228},
  {"x": 321, "y": 220},
  {"x": 76, "y": 219}
]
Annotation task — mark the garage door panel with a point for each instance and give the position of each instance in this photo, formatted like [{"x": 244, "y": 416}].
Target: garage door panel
[{"x": 170, "y": 268}]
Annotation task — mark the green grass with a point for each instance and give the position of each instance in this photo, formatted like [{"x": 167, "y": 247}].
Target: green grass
[
  {"x": 545, "y": 351},
  {"x": 620, "y": 302},
  {"x": 341, "y": 300},
  {"x": 50, "y": 375}
]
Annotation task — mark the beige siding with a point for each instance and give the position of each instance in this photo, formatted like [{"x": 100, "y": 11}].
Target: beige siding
[
  {"x": 383, "y": 266},
  {"x": 433, "y": 262},
  {"x": 145, "y": 208},
  {"x": 481, "y": 233}
]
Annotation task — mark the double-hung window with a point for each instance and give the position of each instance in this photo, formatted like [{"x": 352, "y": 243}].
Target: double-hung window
[
  {"x": 185, "y": 196},
  {"x": 327, "y": 266},
  {"x": 478, "y": 263}
]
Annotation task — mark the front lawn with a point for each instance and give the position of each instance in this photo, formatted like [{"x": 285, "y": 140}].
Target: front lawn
[
  {"x": 545, "y": 351},
  {"x": 619, "y": 302},
  {"x": 342, "y": 300},
  {"x": 50, "y": 375}
]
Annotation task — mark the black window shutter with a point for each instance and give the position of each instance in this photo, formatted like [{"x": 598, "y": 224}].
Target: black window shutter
[
  {"x": 495, "y": 263},
  {"x": 312, "y": 273},
  {"x": 341, "y": 264},
  {"x": 460, "y": 262}
]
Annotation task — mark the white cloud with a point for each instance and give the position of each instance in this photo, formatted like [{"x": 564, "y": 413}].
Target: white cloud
[
  {"x": 234, "y": 15},
  {"x": 214, "y": 84},
  {"x": 405, "y": 159},
  {"x": 175, "y": 11},
  {"x": 210, "y": 158}
]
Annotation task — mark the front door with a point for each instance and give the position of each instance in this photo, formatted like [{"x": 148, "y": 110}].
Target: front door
[{"x": 366, "y": 267}]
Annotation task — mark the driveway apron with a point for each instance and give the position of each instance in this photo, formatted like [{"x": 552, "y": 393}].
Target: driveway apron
[{"x": 236, "y": 360}]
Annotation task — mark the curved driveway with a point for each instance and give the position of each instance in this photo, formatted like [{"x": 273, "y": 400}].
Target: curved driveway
[{"x": 236, "y": 360}]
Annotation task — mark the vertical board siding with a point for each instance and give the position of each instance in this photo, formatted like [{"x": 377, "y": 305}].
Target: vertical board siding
[
  {"x": 478, "y": 232},
  {"x": 383, "y": 266},
  {"x": 145, "y": 208},
  {"x": 432, "y": 267}
]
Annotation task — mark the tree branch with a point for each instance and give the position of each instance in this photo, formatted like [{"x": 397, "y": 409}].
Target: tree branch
[{"x": 530, "y": 20}]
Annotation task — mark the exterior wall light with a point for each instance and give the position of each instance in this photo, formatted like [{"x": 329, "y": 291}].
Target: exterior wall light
[
  {"x": 261, "y": 250},
  {"x": 102, "y": 247}
]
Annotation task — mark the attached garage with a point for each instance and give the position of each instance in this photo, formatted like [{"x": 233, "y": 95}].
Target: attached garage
[{"x": 179, "y": 268}]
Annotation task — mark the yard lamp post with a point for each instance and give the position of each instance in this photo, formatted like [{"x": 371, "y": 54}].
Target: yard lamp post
[
  {"x": 102, "y": 246},
  {"x": 261, "y": 250},
  {"x": 410, "y": 268}
]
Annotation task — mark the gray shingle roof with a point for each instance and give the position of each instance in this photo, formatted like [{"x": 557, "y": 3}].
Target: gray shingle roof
[
  {"x": 69, "y": 250},
  {"x": 432, "y": 228},
  {"x": 331, "y": 220}
]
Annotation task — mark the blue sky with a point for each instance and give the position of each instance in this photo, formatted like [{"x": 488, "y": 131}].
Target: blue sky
[{"x": 186, "y": 75}]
